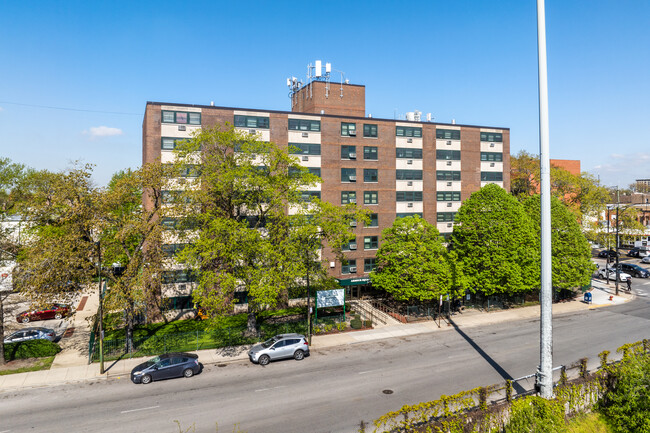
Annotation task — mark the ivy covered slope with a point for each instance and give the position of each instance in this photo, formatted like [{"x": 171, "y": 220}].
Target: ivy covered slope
[
  {"x": 494, "y": 244},
  {"x": 412, "y": 263},
  {"x": 571, "y": 261}
]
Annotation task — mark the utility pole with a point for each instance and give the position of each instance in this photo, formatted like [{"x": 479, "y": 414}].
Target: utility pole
[
  {"x": 545, "y": 371},
  {"x": 101, "y": 309},
  {"x": 618, "y": 274}
]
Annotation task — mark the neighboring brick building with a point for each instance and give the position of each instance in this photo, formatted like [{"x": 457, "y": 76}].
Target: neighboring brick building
[{"x": 393, "y": 167}]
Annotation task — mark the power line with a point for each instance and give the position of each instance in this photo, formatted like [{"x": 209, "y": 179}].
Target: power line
[{"x": 69, "y": 109}]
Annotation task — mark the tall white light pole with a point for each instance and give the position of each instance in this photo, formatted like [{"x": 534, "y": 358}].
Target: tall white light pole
[{"x": 545, "y": 371}]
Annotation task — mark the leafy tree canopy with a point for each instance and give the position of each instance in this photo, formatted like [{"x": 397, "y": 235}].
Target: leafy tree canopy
[{"x": 494, "y": 243}]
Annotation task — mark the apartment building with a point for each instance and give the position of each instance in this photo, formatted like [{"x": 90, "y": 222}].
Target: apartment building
[{"x": 393, "y": 167}]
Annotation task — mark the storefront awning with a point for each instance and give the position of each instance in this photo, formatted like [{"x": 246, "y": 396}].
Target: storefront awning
[{"x": 354, "y": 281}]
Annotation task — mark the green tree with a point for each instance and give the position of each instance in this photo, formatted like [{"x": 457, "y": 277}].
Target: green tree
[
  {"x": 11, "y": 177},
  {"x": 412, "y": 262},
  {"x": 571, "y": 254},
  {"x": 536, "y": 415},
  {"x": 249, "y": 219},
  {"x": 626, "y": 402},
  {"x": 494, "y": 243}
]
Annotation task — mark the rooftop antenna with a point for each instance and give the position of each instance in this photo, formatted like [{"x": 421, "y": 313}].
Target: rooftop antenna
[{"x": 314, "y": 73}]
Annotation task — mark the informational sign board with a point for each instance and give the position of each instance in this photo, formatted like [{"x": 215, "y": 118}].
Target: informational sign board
[{"x": 330, "y": 298}]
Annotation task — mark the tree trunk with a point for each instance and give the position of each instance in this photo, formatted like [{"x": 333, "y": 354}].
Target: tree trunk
[
  {"x": 251, "y": 327},
  {"x": 129, "y": 329},
  {"x": 2, "y": 331}
]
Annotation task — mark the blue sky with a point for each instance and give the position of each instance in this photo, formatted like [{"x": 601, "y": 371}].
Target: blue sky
[{"x": 469, "y": 60}]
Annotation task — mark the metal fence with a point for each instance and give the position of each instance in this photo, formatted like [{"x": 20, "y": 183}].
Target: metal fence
[{"x": 188, "y": 341}]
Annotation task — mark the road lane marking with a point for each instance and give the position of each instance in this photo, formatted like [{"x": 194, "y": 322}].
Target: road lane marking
[
  {"x": 5, "y": 431},
  {"x": 269, "y": 389},
  {"x": 368, "y": 371},
  {"x": 136, "y": 410}
]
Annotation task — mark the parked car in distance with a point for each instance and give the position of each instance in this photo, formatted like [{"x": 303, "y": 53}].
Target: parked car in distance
[
  {"x": 55, "y": 311},
  {"x": 634, "y": 270},
  {"x": 638, "y": 252},
  {"x": 602, "y": 273},
  {"x": 178, "y": 364},
  {"x": 27, "y": 334},
  {"x": 608, "y": 253},
  {"x": 280, "y": 347},
  {"x": 646, "y": 259}
]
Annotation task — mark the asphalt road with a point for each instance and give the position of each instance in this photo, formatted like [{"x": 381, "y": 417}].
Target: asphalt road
[{"x": 331, "y": 391}]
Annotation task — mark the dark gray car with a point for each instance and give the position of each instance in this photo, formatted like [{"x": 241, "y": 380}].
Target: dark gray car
[
  {"x": 34, "y": 333},
  {"x": 280, "y": 347},
  {"x": 165, "y": 367}
]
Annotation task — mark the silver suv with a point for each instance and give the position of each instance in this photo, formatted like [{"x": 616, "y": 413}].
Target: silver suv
[{"x": 281, "y": 346}]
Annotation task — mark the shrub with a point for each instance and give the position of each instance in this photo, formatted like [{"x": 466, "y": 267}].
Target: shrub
[
  {"x": 627, "y": 401},
  {"x": 30, "y": 349},
  {"x": 367, "y": 323},
  {"x": 355, "y": 324},
  {"x": 341, "y": 326},
  {"x": 328, "y": 327},
  {"x": 536, "y": 414}
]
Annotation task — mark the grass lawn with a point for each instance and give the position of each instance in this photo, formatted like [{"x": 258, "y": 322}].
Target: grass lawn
[
  {"x": 25, "y": 365},
  {"x": 589, "y": 423}
]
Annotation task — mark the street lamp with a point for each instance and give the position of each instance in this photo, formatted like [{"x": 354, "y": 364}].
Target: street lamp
[{"x": 97, "y": 241}]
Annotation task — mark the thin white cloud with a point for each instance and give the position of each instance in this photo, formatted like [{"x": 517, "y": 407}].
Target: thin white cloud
[
  {"x": 102, "y": 131},
  {"x": 1, "y": 108},
  {"x": 622, "y": 170}
]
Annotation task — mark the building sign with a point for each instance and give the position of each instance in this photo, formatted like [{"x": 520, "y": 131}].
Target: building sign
[
  {"x": 330, "y": 298},
  {"x": 354, "y": 281}
]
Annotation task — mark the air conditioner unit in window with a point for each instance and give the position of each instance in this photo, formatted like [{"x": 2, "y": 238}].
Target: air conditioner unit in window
[
  {"x": 491, "y": 164},
  {"x": 353, "y": 246},
  {"x": 449, "y": 184},
  {"x": 409, "y": 140},
  {"x": 448, "y": 162},
  {"x": 352, "y": 155},
  {"x": 409, "y": 162},
  {"x": 450, "y": 204},
  {"x": 352, "y": 178},
  {"x": 491, "y": 144},
  {"x": 305, "y": 158},
  {"x": 352, "y": 133},
  {"x": 409, "y": 183},
  {"x": 353, "y": 223},
  {"x": 409, "y": 205},
  {"x": 305, "y": 134},
  {"x": 448, "y": 142},
  {"x": 182, "y": 287},
  {"x": 449, "y": 224},
  {"x": 353, "y": 200},
  {"x": 332, "y": 264},
  {"x": 353, "y": 269},
  {"x": 181, "y": 127}
]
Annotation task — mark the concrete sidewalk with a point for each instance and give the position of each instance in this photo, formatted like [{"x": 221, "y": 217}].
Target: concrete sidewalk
[{"x": 601, "y": 294}]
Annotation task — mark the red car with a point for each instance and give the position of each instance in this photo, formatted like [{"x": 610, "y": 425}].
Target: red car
[{"x": 56, "y": 311}]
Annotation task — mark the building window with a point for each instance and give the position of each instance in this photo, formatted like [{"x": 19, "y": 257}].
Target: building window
[
  {"x": 348, "y": 152},
  {"x": 491, "y": 176},
  {"x": 169, "y": 143},
  {"x": 178, "y": 276},
  {"x": 370, "y": 197},
  {"x": 169, "y": 223},
  {"x": 408, "y": 174},
  {"x": 492, "y": 156},
  {"x": 348, "y": 175},
  {"x": 444, "y": 217},
  {"x": 371, "y": 242},
  {"x": 449, "y": 155},
  {"x": 370, "y": 175},
  {"x": 170, "y": 196},
  {"x": 447, "y": 175},
  {"x": 314, "y": 170},
  {"x": 374, "y": 220},
  {"x": 304, "y": 149},
  {"x": 350, "y": 268},
  {"x": 346, "y": 246},
  {"x": 492, "y": 136},
  {"x": 348, "y": 197},
  {"x": 369, "y": 265},
  {"x": 304, "y": 125},
  {"x": 309, "y": 195},
  {"x": 408, "y": 195},
  {"x": 369, "y": 130},
  {"x": 170, "y": 250},
  {"x": 189, "y": 170},
  {"x": 405, "y": 215},
  {"x": 448, "y": 134},
  {"x": 370, "y": 153},
  {"x": 252, "y": 122},
  {"x": 348, "y": 129},
  {"x": 409, "y": 153},
  {"x": 181, "y": 117},
  {"x": 448, "y": 196},
  {"x": 408, "y": 131}
]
